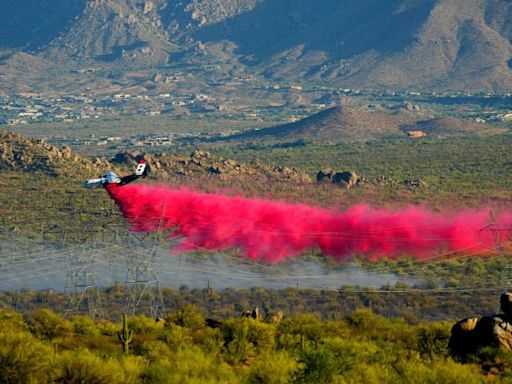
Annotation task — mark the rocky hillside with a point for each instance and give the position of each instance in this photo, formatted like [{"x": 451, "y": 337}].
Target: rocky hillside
[
  {"x": 18, "y": 153},
  {"x": 437, "y": 44},
  {"x": 201, "y": 163}
]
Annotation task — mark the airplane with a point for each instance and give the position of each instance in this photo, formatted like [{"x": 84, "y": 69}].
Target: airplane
[{"x": 111, "y": 179}]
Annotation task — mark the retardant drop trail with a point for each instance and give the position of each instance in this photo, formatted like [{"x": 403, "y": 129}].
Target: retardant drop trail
[{"x": 272, "y": 231}]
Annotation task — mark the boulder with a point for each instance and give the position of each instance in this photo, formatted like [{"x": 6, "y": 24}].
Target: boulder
[
  {"x": 324, "y": 175},
  {"x": 347, "y": 178},
  {"x": 274, "y": 317},
  {"x": 471, "y": 334}
]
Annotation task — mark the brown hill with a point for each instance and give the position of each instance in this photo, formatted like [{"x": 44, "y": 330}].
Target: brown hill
[{"x": 337, "y": 124}]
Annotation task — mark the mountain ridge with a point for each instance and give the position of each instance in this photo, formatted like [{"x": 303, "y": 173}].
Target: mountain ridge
[{"x": 434, "y": 44}]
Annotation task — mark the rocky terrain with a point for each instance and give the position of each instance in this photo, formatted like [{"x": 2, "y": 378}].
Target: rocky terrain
[
  {"x": 18, "y": 153},
  {"x": 434, "y": 44}
]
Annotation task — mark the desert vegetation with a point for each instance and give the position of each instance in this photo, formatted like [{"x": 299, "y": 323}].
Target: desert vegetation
[{"x": 41, "y": 346}]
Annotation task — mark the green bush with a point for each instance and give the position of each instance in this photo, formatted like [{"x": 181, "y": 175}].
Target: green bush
[
  {"x": 446, "y": 371},
  {"x": 189, "y": 365},
  {"x": 300, "y": 329},
  {"x": 188, "y": 317},
  {"x": 272, "y": 368},
  {"x": 84, "y": 367},
  {"x": 319, "y": 366},
  {"x": 176, "y": 337},
  {"x": 244, "y": 338},
  {"x": 142, "y": 324},
  {"x": 23, "y": 359},
  {"x": 433, "y": 340},
  {"x": 83, "y": 325},
  {"x": 47, "y": 325}
]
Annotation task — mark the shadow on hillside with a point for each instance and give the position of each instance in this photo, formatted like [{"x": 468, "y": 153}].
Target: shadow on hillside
[
  {"x": 342, "y": 28},
  {"x": 32, "y": 24}
]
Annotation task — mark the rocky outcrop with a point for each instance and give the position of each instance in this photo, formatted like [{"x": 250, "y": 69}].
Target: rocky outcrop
[
  {"x": 344, "y": 178},
  {"x": 349, "y": 179},
  {"x": 19, "y": 153},
  {"x": 202, "y": 163},
  {"x": 471, "y": 334}
]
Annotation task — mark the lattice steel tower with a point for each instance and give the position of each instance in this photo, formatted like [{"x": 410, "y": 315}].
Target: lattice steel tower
[
  {"x": 81, "y": 290},
  {"x": 143, "y": 293}
]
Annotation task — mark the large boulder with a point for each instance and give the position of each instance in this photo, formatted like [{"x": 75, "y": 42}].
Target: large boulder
[
  {"x": 324, "y": 175},
  {"x": 345, "y": 178},
  {"x": 471, "y": 334},
  {"x": 349, "y": 179}
]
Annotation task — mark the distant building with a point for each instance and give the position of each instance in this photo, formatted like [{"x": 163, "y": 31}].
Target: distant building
[{"x": 416, "y": 134}]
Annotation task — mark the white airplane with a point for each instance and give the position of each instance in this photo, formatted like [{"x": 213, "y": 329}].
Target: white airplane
[{"x": 142, "y": 170}]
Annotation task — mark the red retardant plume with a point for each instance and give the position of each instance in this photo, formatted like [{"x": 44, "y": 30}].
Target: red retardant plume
[{"x": 272, "y": 231}]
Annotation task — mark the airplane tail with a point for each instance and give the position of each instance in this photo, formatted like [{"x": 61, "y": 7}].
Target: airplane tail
[{"x": 142, "y": 169}]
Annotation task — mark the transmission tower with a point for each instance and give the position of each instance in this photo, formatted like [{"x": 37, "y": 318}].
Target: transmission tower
[
  {"x": 501, "y": 234},
  {"x": 143, "y": 293},
  {"x": 81, "y": 290}
]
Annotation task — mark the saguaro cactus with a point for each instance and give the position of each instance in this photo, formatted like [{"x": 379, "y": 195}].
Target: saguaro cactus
[{"x": 125, "y": 336}]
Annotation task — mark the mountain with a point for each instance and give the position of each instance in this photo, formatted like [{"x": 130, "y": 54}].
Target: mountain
[{"x": 431, "y": 44}]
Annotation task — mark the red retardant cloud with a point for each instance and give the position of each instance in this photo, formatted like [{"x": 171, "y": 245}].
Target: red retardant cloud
[{"x": 272, "y": 231}]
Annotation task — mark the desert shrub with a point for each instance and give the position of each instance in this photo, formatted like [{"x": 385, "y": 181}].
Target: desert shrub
[
  {"x": 132, "y": 367},
  {"x": 371, "y": 326},
  {"x": 446, "y": 371},
  {"x": 189, "y": 316},
  {"x": 47, "y": 325},
  {"x": 209, "y": 339},
  {"x": 318, "y": 366},
  {"x": 236, "y": 339},
  {"x": 84, "y": 367},
  {"x": 11, "y": 321},
  {"x": 297, "y": 331},
  {"x": 107, "y": 328},
  {"x": 348, "y": 352},
  {"x": 245, "y": 337},
  {"x": 272, "y": 368},
  {"x": 155, "y": 350},
  {"x": 189, "y": 365},
  {"x": 176, "y": 337},
  {"x": 83, "y": 325},
  {"x": 143, "y": 325},
  {"x": 23, "y": 359},
  {"x": 433, "y": 340},
  {"x": 365, "y": 373}
]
